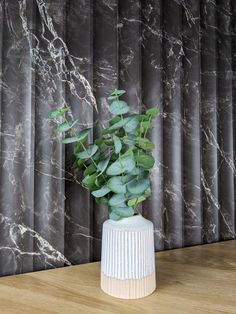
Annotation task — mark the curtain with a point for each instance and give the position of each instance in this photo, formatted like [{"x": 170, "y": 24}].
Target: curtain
[{"x": 178, "y": 55}]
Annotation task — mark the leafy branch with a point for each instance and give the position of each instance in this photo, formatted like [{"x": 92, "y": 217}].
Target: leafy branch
[{"x": 116, "y": 166}]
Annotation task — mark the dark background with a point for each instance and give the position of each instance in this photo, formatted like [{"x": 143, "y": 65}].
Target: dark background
[{"x": 177, "y": 55}]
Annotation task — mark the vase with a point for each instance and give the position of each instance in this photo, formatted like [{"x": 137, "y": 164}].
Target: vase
[{"x": 128, "y": 259}]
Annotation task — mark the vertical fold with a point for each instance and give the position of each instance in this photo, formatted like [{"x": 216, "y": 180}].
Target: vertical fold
[
  {"x": 191, "y": 124},
  {"x": 226, "y": 166},
  {"x": 172, "y": 130},
  {"x": 152, "y": 97},
  {"x": 49, "y": 152},
  {"x": 105, "y": 79},
  {"x": 130, "y": 52},
  {"x": 17, "y": 129},
  {"x": 78, "y": 205},
  {"x": 209, "y": 145},
  {"x": 233, "y": 8}
]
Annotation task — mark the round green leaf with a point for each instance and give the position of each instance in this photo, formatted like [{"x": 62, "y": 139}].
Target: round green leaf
[
  {"x": 116, "y": 185},
  {"x": 80, "y": 163},
  {"x": 101, "y": 200},
  {"x": 54, "y": 113},
  {"x": 58, "y": 112},
  {"x": 66, "y": 126},
  {"x": 132, "y": 123},
  {"x": 119, "y": 107},
  {"x": 135, "y": 201},
  {"x": 69, "y": 140},
  {"x": 90, "y": 169},
  {"x": 145, "y": 126},
  {"x": 123, "y": 211},
  {"x": 123, "y": 164},
  {"x": 83, "y": 134},
  {"x": 114, "y": 216},
  {"x": 90, "y": 151},
  {"x": 117, "y": 200},
  {"x": 145, "y": 144},
  {"x": 153, "y": 112},
  {"x": 145, "y": 161},
  {"x": 138, "y": 185},
  {"x": 117, "y": 143},
  {"x": 89, "y": 181},
  {"x": 102, "y": 165},
  {"x": 117, "y": 126},
  {"x": 100, "y": 193},
  {"x": 115, "y": 120},
  {"x": 130, "y": 140},
  {"x": 78, "y": 138}
]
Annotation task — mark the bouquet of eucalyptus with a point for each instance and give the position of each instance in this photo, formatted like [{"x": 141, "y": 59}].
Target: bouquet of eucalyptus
[{"x": 116, "y": 166}]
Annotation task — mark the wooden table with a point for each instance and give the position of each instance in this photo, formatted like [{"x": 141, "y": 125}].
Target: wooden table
[{"x": 200, "y": 279}]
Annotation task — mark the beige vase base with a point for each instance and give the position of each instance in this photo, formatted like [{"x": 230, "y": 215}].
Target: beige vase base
[{"x": 128, "y": 288}]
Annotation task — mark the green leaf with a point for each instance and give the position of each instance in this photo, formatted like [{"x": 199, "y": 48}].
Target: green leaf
[
  {"x": 78, "y": 138},
  {"x": 66, "y": 126},
  {"x": 54, "y": 113},
  {"x": 112, "y": 97},
  {"x": 138, "y": 185},
  {"x": 132, "y": 123},
  {"x": 119, "y": 107},
  {"x": 108, "y": 131},
  {"x": 78, "y": 146},
  {"x": 123, "y": 211},
  {"x": 102, "y": 165},
  {"x": 89, "y": 181},
  {"x": 90, "y": 169},
  {"x": 117, "y": 200},
  {"x": 114, "y": 127},
  {"x": 100, "y": 193},
  {"x": 135, "y": 201},
  {"x": 145, "y": 126},
  {"x": 90, "y": 151},
  {"x": 125, "y": 163},
  {"x": 129, "y": 177},
  {"x": 153, "y": 112},
  {"x": 116, "y": 185},
  {"x": 83, "y": 134},
  {"x": 58, "y": 112},
  {"x": 101, "y": 200},
  {"x": 130, "y": 140},
  {"x": 99, "y": 182},
  {"x": 114, "y": 216},
  {"x": 99, "y": 142},
  {"x": 109, "y": 142},
  {"x": 117, "y": 143},
  {"x": 115, "y": 120},
  {"x": 143, "y": 117},
  {"x": 144, "y": 143},
  {"x": 80, "y": 163},
  {"x": 69, "y": 140},
  {"x": 118, "y": 92},
  {"x": 145, "y": 161}
]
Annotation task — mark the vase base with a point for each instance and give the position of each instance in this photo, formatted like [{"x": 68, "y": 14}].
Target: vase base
[{"x": 128, "y": 288}]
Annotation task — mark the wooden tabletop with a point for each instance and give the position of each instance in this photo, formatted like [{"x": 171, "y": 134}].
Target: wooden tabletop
[{"x": 200, "y": 279}]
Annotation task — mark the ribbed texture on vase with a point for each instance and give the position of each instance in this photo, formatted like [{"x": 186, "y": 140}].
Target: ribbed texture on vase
[
  {"x": 129, "y": 288},
  {"x": 128, "y": 258}
]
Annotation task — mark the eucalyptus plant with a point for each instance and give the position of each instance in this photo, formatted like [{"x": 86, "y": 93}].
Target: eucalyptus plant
[{"x": 116, "y": 166}]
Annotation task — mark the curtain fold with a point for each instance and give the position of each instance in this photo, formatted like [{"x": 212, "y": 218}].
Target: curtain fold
[
  {"x": 172, "y": 126},
  {"x": 177, "y": 55},
  {"x": 209, "y": 106}
]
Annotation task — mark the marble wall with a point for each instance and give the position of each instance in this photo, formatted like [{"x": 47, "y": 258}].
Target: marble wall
[{"x": 179, "y": 55}]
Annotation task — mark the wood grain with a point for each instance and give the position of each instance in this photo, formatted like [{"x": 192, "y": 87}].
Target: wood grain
[{"x": 200, "y": 279}]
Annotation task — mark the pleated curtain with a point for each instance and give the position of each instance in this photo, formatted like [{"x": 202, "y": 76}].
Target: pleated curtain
[{"x": 178, "y": 55}]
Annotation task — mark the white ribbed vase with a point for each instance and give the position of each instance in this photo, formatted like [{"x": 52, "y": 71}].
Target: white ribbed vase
[{"x": 128, "y": 260}]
